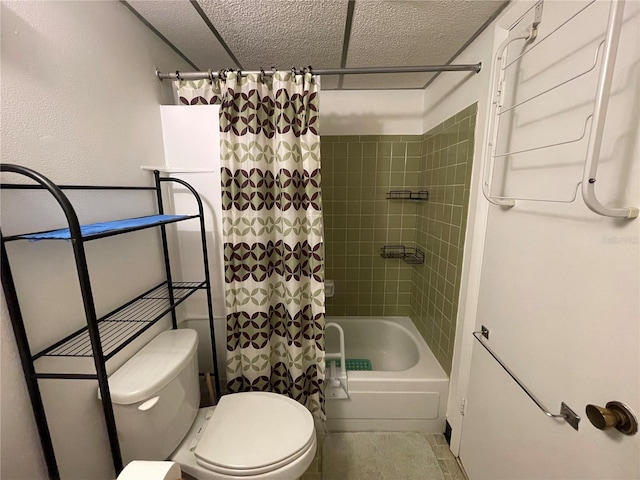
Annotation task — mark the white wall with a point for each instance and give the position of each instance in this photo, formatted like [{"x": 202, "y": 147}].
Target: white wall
[
  {"x": 371, "y": 112},
  {"x": 453, "y": 91},
  {"x": 80, "y": 105},
  {"x": 192, "y": 142},
  {"x": 557, "y": 288},
  {"x": 447, "y": 95}
]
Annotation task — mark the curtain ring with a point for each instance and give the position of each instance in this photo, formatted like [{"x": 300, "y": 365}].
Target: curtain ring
[
  {"x": 210, "y": 76},
  {"x": 222, "y": 74},
  {"x": 293, "y": 70},
  {"x": 262, "y": 75},
  {"x": 178, "y": 76}
]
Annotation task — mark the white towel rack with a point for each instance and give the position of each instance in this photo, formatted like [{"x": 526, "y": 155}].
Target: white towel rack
[
  {"x": 566, "y": 413},
  {"x": 593, "y": 126}
]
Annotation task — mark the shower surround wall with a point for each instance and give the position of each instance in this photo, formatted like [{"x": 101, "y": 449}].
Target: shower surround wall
[
  {"x": 357, "y": 174},
  {"x": 447, "y": 157}
]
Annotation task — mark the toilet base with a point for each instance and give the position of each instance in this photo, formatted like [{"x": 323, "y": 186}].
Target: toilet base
[{"x": 188, "y": 463}]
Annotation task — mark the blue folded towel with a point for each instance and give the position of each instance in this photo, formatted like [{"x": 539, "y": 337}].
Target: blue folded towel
[{"x": 102, "y": 227}]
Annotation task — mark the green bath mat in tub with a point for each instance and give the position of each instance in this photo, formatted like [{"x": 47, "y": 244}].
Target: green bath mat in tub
[{"x": 362, "y": 364}]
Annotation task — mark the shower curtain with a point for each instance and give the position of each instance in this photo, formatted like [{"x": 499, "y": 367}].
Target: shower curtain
[{"x": 273, "y": 231}]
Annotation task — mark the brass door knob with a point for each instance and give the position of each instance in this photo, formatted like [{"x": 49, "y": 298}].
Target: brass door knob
[{"x": 615, "y": 415}]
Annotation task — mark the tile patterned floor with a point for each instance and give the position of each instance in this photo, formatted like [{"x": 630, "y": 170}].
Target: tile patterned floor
[
  {"x": 448, "y": 463},
  {"x": 446, "y": 460}
]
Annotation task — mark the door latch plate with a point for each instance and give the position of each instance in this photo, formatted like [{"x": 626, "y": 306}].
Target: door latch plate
[{"x": 569, "y": 415}]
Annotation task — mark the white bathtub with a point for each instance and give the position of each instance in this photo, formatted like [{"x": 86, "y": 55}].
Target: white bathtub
[{"x": 406, "y": 390}]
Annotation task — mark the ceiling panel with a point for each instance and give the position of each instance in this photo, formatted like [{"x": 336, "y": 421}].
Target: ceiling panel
[
  {"x": 181, "y": 24},
  {"x": 329, "y": 82},
  {"x": 387, "y": 80},
  {"x": 406, "y": 33},
  {"x": 265, "y": 33},
  {"x": 287, "y": 33}
]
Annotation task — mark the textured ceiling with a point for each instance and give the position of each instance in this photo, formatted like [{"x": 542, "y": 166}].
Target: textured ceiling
[{"x": 254, "y": 34}]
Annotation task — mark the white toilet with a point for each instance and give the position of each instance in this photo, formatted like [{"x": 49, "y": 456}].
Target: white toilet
[{"x": 253, "y": 435}]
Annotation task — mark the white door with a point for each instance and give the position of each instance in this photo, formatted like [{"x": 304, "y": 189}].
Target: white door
[{"x": 560, "y": 286}]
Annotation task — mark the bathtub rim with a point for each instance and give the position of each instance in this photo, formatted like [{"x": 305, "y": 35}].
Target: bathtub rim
[{"x": 427, "y": 367}]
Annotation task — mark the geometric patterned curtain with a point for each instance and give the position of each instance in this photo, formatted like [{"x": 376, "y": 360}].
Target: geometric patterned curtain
[
  {"x": 273, "y": 234},
  {"x": 198, "y": 92}
]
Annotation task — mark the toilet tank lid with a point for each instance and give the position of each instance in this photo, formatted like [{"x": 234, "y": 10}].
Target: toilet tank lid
[{"x": 153, "y": 367}]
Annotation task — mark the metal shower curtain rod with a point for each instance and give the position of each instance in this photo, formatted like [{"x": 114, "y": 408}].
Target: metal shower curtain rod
[{"x": 210, "y": 75}]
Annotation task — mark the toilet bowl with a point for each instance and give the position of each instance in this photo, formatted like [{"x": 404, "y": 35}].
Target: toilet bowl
[
  {"x": 252, "y": 435},
  {"x": 246, "y": 437},
  {"x": 151, "y": 470}
]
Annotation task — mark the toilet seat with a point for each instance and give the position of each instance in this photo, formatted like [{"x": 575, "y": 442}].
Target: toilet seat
[
  {"x": 255, "y": 433},
  {"x": 263, "y": 472}
]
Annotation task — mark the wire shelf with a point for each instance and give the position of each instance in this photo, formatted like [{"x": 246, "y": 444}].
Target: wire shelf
[
  {"x": 393, "y": 251},
  {"x": 123, "y": 325},
  {"x": 414, "y": 256},
  {"x": 408, "y": 195},
  {"x": 410, "y": 255}
]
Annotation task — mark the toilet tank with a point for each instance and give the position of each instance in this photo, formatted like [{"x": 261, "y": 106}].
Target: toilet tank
[{"x": 156, "y": 396}]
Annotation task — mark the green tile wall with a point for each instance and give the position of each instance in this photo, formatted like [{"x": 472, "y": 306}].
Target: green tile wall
[
  {"x": 447, "y": 154},
  {"x": 357, "y": 173}
]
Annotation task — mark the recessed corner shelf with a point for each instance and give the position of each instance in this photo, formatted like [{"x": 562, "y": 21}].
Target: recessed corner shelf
[
  {"x": 410, "y": 255},
  {"x": 408, "y": 195}
]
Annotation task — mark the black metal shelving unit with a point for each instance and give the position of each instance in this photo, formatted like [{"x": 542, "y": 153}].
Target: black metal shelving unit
[{"x": 104, "y": 336}]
